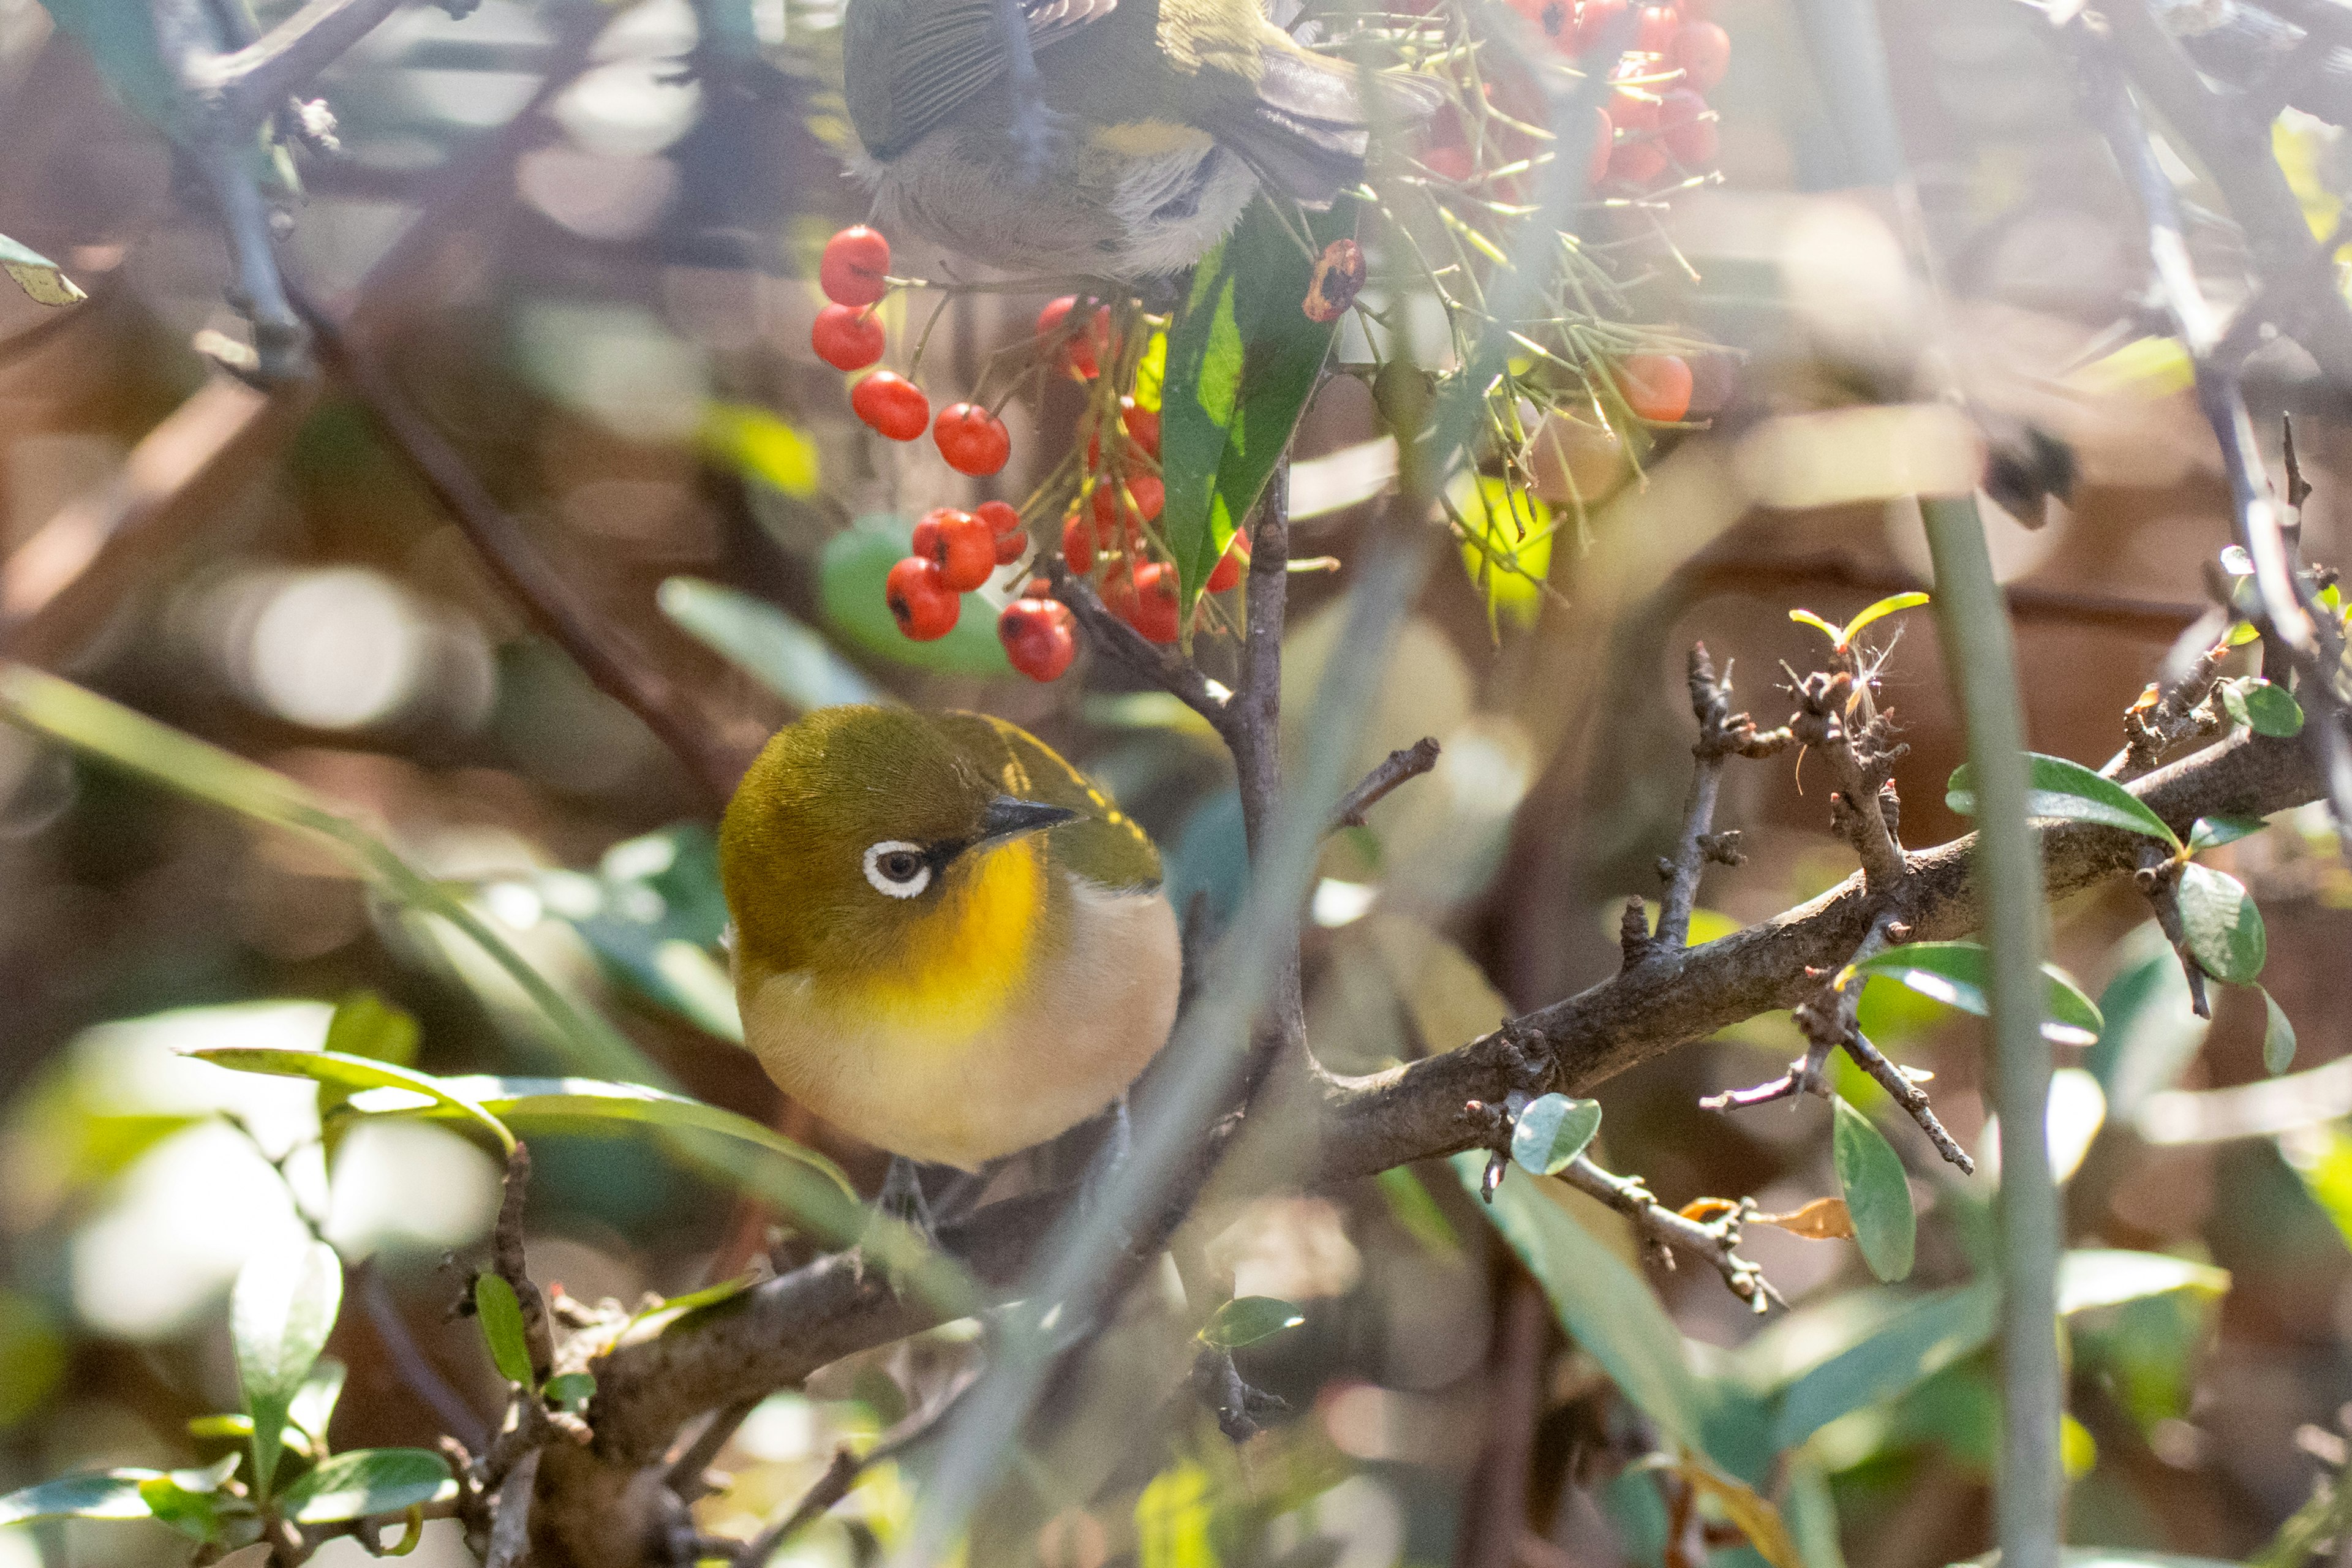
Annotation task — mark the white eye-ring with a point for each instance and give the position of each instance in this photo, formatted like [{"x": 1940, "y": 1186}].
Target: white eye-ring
[{"x": 898, "y": 868}]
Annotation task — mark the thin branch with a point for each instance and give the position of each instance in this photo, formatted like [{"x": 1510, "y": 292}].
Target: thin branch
[
  {"x": 1722, "y": 734},
  {"x": 506, "y": 1260},
  {"x": 253, "y": 82},
  {"x": 1906, "y": 1093},
  {"x": 510, "y": 1526},
  {"x": 689, "y": 1473},
  {"x": 1717, "y": 1240},
  {"x": 1399, "y": 768},
  {"x": 1163, "y": 667},
  {"x": 2164, "y": 719},
  {"x": 838, "y": 1477},
  {"x": 1861, "y": 760}
]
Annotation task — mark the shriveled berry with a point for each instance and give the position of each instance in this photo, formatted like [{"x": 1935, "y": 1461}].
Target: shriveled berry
[
  {"x": 1653, "y": 31},
  {"x": 1657, "y": 387},
  {"x": 1082, "y": 354},
  {"x": 1339, "y": 278},
  {"x": 960, "y": 544},
  {"x": 1078, "y": 543},
  {"x": 971, "y": 440},
  {"x": 924, "y": 606},
  {"x": 1039, "y": 637},
  {"x": 1228, "y": 569},
  {"x": 1686, "y": 126},
  {"x": 847, "y": 337},
  {"x": 856, "y": 268},
  {"x": 1154, "y": 604},
  {"x": 892, "y": 404},
  {"x": 1001, "y": 517},
  {"x": 1142, "y": 424},
  {"x": 1703, "y": 52}
]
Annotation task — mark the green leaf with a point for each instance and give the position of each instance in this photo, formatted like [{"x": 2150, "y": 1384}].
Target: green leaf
[
  {"x": 280, "y": 1314},
  {"x": 353, "y": 1074},
  {"x": 1876, "y": 1192},
  {"x": 570, "y": 1391},
  {"x": 784, "y": 654},
  {"x": 1246, "y": 1320},
  {"x": 756, "y": 444},
  {"x": 1897, "y": 1354},
  {"x": 368, "y": 1481},
  {"x": 2091, "y": 1277},
  {"x": 122, "y": 41},
  {"x": 1553, "y": 1131},
  {"x": 1957, "y": 974},
  {"x": 365, "y": 1024},
  {"x": 2223, "y": 927},
  {"x": 2212, "y": 832},
  {"x": 501, "y": 1316},
  {"x": 98, "y": 1494},
  {"x": 1827, "y": 628},
  {"x": 1243, "y": 359},
  {"x": 43, "y": 281},
  {"x": 313, "y": 1405},
  {"x": 2262, "y": 705},
  {"x": 1879, "y": 611},
  {"x": 850, "y": 573},
  {"x": 2152, "y": 1034},
  {"x": 2278, "y": 1038},
  {"x": 195, "y": 1514},
  {"x": 2056, "y": 787}
]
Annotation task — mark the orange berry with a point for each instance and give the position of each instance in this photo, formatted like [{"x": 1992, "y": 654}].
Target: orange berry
[
  {"x": 1039, "y": 637},
  {"x": 960, "y": 545},
  {"x": 856, "y": 268},
  {"x": 1654, "y": 33},
  {"x": 892, "y": 404},
  {"x": 1703, "y": 51},
  {"x": 1011, "y": 547},
  {"x": 1657, "y": 387},
  {"x": 1083, "y": 354},
  {"x": 847, "y": 337},
  {"x": 1142, "y": 424},
  {"x": 971, "y": 440},
  {"x": 924, "y": 606},
  {"x": 1228, "y": 569},
  {"x": 1153, "y": 603},
  {"x": 1078, "y": 544},
  {"x": 1001, "y": 516},
  {"x": 1638, "y": 162}
]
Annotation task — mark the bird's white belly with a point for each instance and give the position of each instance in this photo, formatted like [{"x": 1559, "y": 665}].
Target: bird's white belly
[{"x": 1065, "y": 1048}]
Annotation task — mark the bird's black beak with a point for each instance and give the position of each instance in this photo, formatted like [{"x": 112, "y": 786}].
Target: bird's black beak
[{"x": 1007, "y": 817}]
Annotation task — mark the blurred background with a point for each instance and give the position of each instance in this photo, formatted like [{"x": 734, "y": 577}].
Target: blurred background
[{"x": 581, "y": 238}]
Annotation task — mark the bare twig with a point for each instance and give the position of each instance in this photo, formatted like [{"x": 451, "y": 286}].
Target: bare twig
[
  {"x": 253, "y": 82},
  {"x": 839, "y": 1476},
  {"x": 1861, "y": 760},
  {"x": 1717, "y": 1240},
  {"x": 1906, "y": 1093},
  {"x": 510, "y": 1525},
  {"x": 1400, "y": 767},
  {"x": 2164, "y": 719},
  {"x": 506, "y": 1260},
  {"x": 1722, "y": 734},
  {"x": 1163, "y": 666},
  {"x": 689, "y": 1473}
]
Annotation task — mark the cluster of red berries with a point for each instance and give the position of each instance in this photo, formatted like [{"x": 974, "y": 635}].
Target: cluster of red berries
[
  {"x": 856, "y": 275},
  {"x": 1657, "y": 117}
]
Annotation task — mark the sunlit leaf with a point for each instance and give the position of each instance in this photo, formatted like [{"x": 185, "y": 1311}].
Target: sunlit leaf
[
  {"x": 1508, "y": 548},
  {"x": 784, "y": 654},
  {"x": 1552, "y": 1131},
  {"x": 1823, "y": 1219},
  {"x": 1895, "y": 1354},
  {"x": 501, "y": 1318},
  {"x": 757, "y": 444},
  {"x": 365, "y": 1024},
  {"x": 355, "y": 1074},
  {"x": 570, "y": 1391},
  {"x": 369, "y": 1481},
  {"x": 195, "y": 1513},
  {"x": 2278, "y": 1038},
  {"x": 1879, "y": 611},
  {"x": 2212, "y": 832},
  {"x": 1829, "y": 629},
  {"x": 2262, "y": 705},
  {"x": 2223, "y": 927},
  {"x": 1877, "y": 1194},
  {"x": 1246, "y": 1320},
  {"x": 43, "y": 281},
  {"x": 2060, "y": 788},
  {"x": 313, "y": 1405},
  {"x": 2091, "y": 1277},
  {"x": 1958, "y": 974},
  {"x": 280, "y": 1314}
]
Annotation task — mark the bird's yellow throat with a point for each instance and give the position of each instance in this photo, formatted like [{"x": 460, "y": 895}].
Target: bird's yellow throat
[{"x": 965, "y": 960}]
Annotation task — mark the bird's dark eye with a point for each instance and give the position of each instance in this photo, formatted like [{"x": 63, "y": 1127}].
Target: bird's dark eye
[{"x": 898, "y": 868}]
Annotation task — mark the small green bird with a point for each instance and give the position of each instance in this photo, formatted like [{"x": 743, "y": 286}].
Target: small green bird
[
  {"x": 1149, "y": 126},
  {"x": 948, "y": 941}
]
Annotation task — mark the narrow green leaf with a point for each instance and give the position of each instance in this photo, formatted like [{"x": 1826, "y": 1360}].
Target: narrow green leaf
[
  {"x": 501, "y": 1316},
  {"x": 784, "y": 654},
  {"x": 1553, "y": 1131},
  {"x": 1877, "y": 1194},
  {"x": 356, "y": 1074},
  {"x": 365, "y": 1024},
  {"x": 236, "y": 1424},
  {"x": 2278, "y": 1038},
  {"x": 2223, "y": 927},
  {"x": 369, "y": 1481},
  {"x": 43, "y": 281},
  {"x": 850, "y": 573},
  {"x": 98, "y": 1494},
  {"x": 1246, "y": 1320},
  {"x": 1879, "y": 611},
  {"x": 1901, "y": 1351},
  {"x": 570, "y": 1391},
  {"x": 280, "y": 1313},
  {"x": 1243, "y": 359},
  {"x": 2212, "y": 832},
  {"x": 2058, "y": 788},
  {"x": 1956, "y": 973},
  {"x": 1807, "y": 618}
]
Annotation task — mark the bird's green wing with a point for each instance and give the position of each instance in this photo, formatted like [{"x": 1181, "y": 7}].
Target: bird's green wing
[
  {"x": 909, "y": 65},
  {"x": 1104, "y": 844}
]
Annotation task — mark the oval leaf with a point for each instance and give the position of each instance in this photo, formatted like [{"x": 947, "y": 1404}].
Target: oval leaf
[
  {"x": 2058, "y": 788},
  {"x": 781, "y": 653},
  {"x": 1246, "y": 1320},
  {"x": 194, "y": 1514},
  {"x": 355, "y": 1074},
  {"x": 2271, "y": 709},
  {"x": 1957, "y": 974},
  {"x": 280, "y": 1313},
  {"x": 368, "y": 1481},
  {"x": 2223, "y": 927},
  {"x": 1553, "y": 1131},
  {"x": 570, "y": 1391},
  {"x": 2212, "y": 832},
  {"x": 99, "y": 1494},
  {"x": 850, "y": 572},
  {"x": 1877, "y": 1195},
  {"x": 501, "y": 1316},
  {"x": 2278, "y": 1038}
]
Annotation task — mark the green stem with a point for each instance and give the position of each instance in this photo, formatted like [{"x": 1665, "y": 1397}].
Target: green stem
[{"x": 1974, "y": 625}]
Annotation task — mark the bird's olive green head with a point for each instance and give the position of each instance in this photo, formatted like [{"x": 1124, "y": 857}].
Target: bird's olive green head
[{"x": 860, "y": 830}]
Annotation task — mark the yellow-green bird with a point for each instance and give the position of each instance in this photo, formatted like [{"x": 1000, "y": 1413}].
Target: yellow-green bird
[
  {"x": 948, "y": 941},
  {"x": 1147, "y": 127}
]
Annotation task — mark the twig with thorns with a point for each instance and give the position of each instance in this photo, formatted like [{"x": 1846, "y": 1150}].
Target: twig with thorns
[{"x": 1722, "y": 734}]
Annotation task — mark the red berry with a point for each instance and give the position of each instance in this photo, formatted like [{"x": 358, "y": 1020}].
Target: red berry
[
  {"x": 1555, "y": 19},
  {"x": 1657, "y": 387},
  {"x": 1153, "y": 609},
  {"x": 1604, "y": 142},
  {"x": 1633, "y": 107},
  {"x": 1703, "y": 50},
  {"x": 892, "y": 404},
  {"x": 1011, "y": 547},
  {"x": 1654, "y": 33},
  {"x": 847, "y": 337},
  {"x": 960, "y": 544},
  {"x": 1688, "y": 127},
  {"x": 971, "y": 440},
  {"x": 1038, "y": 588},
  {"x": 1595, "y": 21},
  {"x": 1142, "y": 424},
  {"x": 1082, "y": 353},
  {"x": 1038, "y": 638},
  {"x": 857, "y": 266},
  {"x": 1078, "y": 544},
  {"x": 1148, "y": 495},
  {"x": 1001, "y": 517},
  {"x": 924, "y": 607},
  {"x": 1638, "y": 162},
  {"x": 1228, "y": 569}
]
